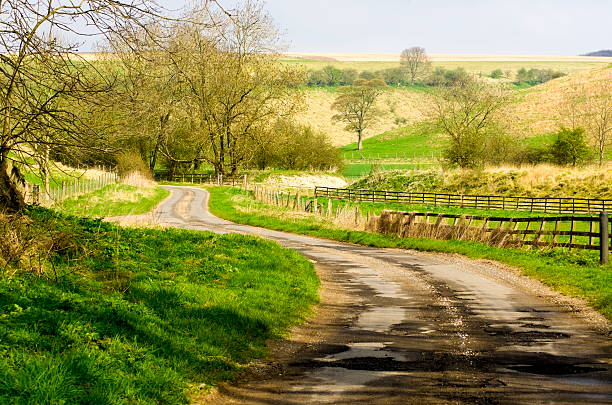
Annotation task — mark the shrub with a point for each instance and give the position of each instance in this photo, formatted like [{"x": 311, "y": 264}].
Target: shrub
[
  {"x": 297, "y": 147},
  {"x": 570, "y": 147},
  {"x": 444, "y": 77},
  {"x": 536, "y": 76},
  {"x": 129, "y": 162},
  {"x": 496, "y": 74}
]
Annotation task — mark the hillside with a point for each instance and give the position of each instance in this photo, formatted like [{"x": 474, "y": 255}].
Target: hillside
[
  {"x": 401, "y": 107},
  {"x": 540, "y": 109},
  {"x": 603, "y": 52}
]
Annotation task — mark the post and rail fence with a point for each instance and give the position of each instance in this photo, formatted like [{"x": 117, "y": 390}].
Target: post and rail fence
[
  {"x": 566, "y": 231},
  {"x": 560, "y": 205},
  {"x": 204, "y": 179}
]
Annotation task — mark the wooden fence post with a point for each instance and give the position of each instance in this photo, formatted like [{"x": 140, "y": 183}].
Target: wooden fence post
[{"x": 603, "y": 238}]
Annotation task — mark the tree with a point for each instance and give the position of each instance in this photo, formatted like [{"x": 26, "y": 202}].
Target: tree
[
  {"x": 468, "y": 113},
  {"x": 415, "y": 62},
  {"x": 356, "y": 106},
  {"x": 45, "y": 83},
  {"x": 234, "y": 86},
  {"x": 591, "y": 110},
  {"x": 570, "y": 147}
]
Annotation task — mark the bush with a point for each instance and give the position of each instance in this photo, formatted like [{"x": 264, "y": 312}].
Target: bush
[
  {"x": 129, "y": 162},
  {"x": 394, "y": 76},
  {"x": 297, "y": 147},
  {"x": 444, "y": 77},
  {"x": 536, "y": 76},
  {"x": 570, "y": 147},
  {"x": 496, "y": 74}
]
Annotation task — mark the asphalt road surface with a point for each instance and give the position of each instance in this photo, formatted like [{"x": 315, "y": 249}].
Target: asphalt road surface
[{"x": 399, "y": 327}]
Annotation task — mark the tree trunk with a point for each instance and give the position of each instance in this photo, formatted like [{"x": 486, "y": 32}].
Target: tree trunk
[
  {"x": 359, "y": 141},
  {"x": 11, "y": 198}
]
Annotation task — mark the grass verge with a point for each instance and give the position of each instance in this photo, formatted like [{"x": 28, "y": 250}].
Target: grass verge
[
  {"x": 572, "y": 273},
  {"x": 141, "y": 316},
  {"x": 114, "y": 200}
]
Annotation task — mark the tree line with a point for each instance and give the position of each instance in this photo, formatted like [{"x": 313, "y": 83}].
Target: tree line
[{"x": 204, "y": 88}]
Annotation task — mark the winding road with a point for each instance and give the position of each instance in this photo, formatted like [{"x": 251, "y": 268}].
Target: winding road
[{"x": 401, "y": 327}]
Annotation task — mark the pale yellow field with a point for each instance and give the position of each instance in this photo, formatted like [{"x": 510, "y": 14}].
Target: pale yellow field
[
  {"x": 400, "y": 107},
  {"x": 484, "y": 64},
  {"x": 541, "y": 109},
  {"x": 364, "y": 57}
]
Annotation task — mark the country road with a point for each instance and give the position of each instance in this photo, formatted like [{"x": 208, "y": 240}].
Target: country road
[{"x": 397, "y": 327}]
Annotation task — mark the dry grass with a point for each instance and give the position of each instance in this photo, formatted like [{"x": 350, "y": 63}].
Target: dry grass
[
  {"x": 26, "y": 248},
  {"x": 401, "y": 107},
  {"x": 531, "y": 181},
  {"x": 411, "y": 226},
  {"x": 304, "y": 181},
  {"x": 541, "y": 108},
  {"x": 137, "y": 179}
]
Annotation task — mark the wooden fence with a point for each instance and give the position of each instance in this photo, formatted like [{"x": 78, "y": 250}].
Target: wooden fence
[
  {"x": 488, "y": 202},
  {"x": 34, "y": 193},
  {"x": 501, "y": 231},
  {"x": 572, "y": 232},
  {"x": 205, "y": 179}
]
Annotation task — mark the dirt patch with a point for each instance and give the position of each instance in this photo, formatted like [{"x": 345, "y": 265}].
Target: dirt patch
[{"x": 308, "y": 181}]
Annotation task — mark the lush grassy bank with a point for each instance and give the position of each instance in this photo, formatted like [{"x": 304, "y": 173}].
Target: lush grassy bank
[
  {"x": 573, "y": 273},
  {"x": 114, "y": 200},
  {"x": 115, "y": 315}
]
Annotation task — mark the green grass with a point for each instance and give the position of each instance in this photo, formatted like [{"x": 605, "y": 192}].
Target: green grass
[
  {"x": 414, "y": 142},
  {"x": 575, "y": 273},
  {"x": 143, "y": 316},
  {"x": 114, "y": 200}
]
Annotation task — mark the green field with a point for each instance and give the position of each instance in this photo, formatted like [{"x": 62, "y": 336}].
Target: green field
[
  {"x": 141, "y": 316},
  {"x": 411, "y": 147},
  {"x": 484, "y": 67},
  {"x": 114, "y": 200}
]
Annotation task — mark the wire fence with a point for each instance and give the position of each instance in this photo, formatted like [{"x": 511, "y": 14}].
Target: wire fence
[{"x": 35, "y": 193}]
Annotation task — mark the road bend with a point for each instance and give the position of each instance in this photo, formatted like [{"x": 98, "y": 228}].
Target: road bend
[{"x": 399, "y": 327}]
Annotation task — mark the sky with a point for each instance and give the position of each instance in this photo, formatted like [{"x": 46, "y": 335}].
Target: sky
[
  {"x": 538, "y": 27},
  {"x": 503, "y": 27}
]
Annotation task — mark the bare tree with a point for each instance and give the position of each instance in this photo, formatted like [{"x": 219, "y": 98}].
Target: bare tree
[
  {"x": 356, "y": 106},
  {"x": 235, "y": 88},
  {"x": 45, "y": 81},
  {"x": 415, "y": 62},
  {"x": 591, "y": 110},
  {"x": 468, "y": 113}
]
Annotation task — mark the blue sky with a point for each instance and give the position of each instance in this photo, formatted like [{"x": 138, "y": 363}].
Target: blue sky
[{"x": 532, "y": 27}]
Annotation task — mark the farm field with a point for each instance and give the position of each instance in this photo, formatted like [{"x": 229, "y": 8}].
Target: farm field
[{"x": 472, "y": 63}]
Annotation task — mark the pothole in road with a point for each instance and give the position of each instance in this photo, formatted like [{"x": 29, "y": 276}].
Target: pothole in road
[
  {"x": 554, "y": 369},
  {"x": 528, "y": 335}
]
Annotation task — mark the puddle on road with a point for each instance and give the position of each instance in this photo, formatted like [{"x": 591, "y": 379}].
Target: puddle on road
[
  {"x": 336, "y": 380},
  {"x": 380, "y": 319}
]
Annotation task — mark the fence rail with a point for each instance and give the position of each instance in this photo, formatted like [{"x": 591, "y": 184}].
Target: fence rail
[
  {"x": 205, "y": 179},
  {"x": 567, "y": 231},
  {"x": 533, "y": 204}
]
